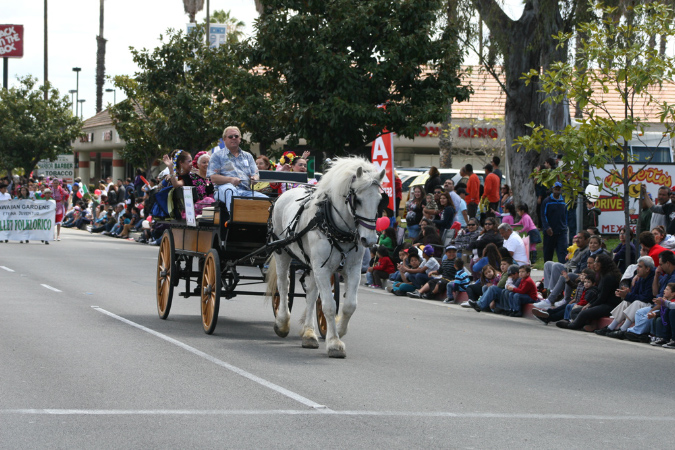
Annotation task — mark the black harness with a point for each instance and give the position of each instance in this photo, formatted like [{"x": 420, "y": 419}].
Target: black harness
[{"x": 324, "y": 220}]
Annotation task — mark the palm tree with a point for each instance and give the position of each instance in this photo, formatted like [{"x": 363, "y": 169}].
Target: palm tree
[
  {"x": 235, "y": 27},
  {"x": 192, "y": 7},
  {"x": 259, "y": 6}
]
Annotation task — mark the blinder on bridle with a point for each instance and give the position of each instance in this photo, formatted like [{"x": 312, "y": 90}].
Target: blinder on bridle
[{"x": 353, "y": 201}]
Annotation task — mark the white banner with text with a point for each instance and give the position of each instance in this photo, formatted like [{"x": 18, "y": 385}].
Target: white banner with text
[{"x": 22, "y": 220}]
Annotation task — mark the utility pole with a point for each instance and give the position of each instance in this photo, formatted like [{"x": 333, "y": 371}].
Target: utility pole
[
  {"x": 100, "y": 61},
  {"x": 208, "y": 23},
  {"x": 46, "y": 56}
]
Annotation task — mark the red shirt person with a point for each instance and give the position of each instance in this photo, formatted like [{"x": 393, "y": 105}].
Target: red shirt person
[
  {"x": 491, "y": 187},
  {"x": 525, "y": 292},
  {"x": 472, "y": 191}
]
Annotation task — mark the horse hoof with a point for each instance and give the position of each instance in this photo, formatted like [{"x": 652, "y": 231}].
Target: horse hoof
[
  {"x": 279, "y": 332},
  {"x": 337, "y": 353},
  {"x": 310, "y": 342}
]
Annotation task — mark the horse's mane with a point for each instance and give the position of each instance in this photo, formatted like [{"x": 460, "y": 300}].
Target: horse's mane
[{"x": 336, "y": 182}]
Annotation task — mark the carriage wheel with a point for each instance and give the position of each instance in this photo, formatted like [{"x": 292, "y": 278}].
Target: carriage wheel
[
  {"x": 166, "y": 271},
  {"x": 320, "y": 317},
  {"x": 211, "y": 286}
]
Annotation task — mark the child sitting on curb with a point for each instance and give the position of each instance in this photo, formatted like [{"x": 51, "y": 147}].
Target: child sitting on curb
[
  {"x": 460, "y": 283},
  {"x": 439, "y": 278},
  {"x": 526, "y": 292},
  {"x": 381, "y": 270},
  {"x": 405, "y": 285}
]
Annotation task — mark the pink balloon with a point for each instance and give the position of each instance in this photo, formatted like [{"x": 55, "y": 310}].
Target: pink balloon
[
  {"x": 382, "y": 223},
  {"x": 97, "y": 192}
]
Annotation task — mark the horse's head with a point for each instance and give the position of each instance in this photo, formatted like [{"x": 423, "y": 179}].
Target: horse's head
[{"x": 364, "y": 199}]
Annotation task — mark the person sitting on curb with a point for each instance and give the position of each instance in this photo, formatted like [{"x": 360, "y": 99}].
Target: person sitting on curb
[
  {"x": 429, "y": 266},
  {"x": 460, "y": 283},
  {"x": 492, "y": 294},
  {"x": 663, "y": 275},
  {"x": 585, "y": 292},
  {"x": 639, "y": 296},
  {"x": 606, "y": 301},
  {"x": 525, "y": 292},
  {"x": 437, "y": 285},
  {"x": 555, "y": 283},
  {"x": 407, "y": 273}
]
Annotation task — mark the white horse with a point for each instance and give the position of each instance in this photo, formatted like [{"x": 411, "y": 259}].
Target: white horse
[{"x": 336, "y": 221}]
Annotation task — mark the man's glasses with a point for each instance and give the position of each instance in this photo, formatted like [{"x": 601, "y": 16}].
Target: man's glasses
[{"x": 233, "y": 136}]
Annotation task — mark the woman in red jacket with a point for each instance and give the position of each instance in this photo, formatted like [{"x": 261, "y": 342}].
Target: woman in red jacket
[{"x": 526, "y": 292}]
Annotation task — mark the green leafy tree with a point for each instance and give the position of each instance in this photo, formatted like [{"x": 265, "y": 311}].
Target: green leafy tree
[
  {"x": 173, "y": 97},
  {"x": 339, "y": 62},
  {"x": 35, "y": 126},
  {"x": 631, "y": 70}
]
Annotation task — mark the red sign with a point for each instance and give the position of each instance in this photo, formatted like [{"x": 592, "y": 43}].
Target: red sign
[
  {"x": 11, "y": 41},
  {"x": 468, "y": 132},
  {"x": 382, "y": 155}
]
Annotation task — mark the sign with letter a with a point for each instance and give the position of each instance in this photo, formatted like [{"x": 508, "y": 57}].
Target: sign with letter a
[{"x": 382, "y": 155}]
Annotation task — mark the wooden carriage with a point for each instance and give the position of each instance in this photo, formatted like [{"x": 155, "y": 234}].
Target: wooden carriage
[{"x": 218, "y": 242}]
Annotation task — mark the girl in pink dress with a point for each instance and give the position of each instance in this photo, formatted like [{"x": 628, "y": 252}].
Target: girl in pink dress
[
  {"x": 60, "y": 195},
  {"x": 531, "y": 229}
]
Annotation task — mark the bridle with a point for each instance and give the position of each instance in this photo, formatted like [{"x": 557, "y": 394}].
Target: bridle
[{"x": 352, "y": 201}]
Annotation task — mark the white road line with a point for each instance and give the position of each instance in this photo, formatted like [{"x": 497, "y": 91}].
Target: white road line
[
  {"x": 50, "y": 288},
  {"x": 283, "y": 391},
  {"x": 6, "y": 268},
  {"x": 292, "y": 412}
]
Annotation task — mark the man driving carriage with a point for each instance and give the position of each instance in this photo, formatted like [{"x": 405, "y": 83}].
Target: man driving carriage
[{"x": 232, "y": 169}]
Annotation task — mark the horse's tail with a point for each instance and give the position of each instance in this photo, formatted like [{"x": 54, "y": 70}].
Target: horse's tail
[{"x": 271, "y": 277}]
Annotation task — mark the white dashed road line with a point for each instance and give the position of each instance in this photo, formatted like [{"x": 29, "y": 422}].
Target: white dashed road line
[
  {"x": 6, "y": 268},
  {"x": 283, "y": 391},
  {"x": 50, "y": 288}
]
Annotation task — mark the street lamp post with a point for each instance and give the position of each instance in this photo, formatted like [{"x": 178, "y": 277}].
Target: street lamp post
[
  {"x": 72, "y": 101},
  {"x": 77, "y": 87},
  {"x": 81, "y": 101},
  {"x": 114, "y": 95}
]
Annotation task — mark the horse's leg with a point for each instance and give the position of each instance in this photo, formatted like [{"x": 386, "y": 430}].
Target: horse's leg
[
  {"x": 334, "y": 346},
  {"x": 348, "y": 303},
  {"x": 309, "y": 338},
  {"x": 283, "y": 319}
]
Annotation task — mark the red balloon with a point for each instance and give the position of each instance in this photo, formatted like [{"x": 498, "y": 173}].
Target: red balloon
[
  {"x": 97, "y": 192},
  {"x": 382, "y": 223}
]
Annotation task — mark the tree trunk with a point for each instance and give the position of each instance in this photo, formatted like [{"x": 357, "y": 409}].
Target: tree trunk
[
  {"x": 445, "y": 141},
  {"x": 100, "y": 63},
  {"x": 46, "y": 55},
  {"x": 530, "y": 46}
]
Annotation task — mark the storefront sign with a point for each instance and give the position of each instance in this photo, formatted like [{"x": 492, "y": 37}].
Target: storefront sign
[
  {"x": 31, "y": 220},
  {"x": 471, "y": 133},
  {"x": 63, "y": 168},
  {"x": 612, "y": 206},
  {"x": 382, "y": 155},
  {"x": 11, "y": 41}
]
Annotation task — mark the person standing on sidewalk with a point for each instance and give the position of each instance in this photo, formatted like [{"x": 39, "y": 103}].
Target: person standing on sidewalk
[
  {"x": 491, "y": 188},
  {"x": 554, "y": 224}
]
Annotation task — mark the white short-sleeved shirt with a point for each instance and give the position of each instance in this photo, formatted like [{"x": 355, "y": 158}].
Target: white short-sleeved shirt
[
  {"x": 430, "y": 265},
  {"x": 460, "y": 217},
  {"x": 516, "y": 245}
]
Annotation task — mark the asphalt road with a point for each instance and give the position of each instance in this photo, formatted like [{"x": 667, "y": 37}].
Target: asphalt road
[{"x": 85, "y": 362}]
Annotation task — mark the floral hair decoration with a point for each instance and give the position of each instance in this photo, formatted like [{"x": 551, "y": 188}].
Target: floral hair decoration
[
  {"x": 287, "y": 158},
  {"x": 195, "y": 160},
  {"x": 175, "y": 157}
]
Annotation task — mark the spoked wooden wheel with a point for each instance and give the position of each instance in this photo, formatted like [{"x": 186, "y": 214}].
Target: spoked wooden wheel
[
  {"x": 320, "y": 318},
  {"x": 166, "y": 270},
  {"x": 211, "y": 286}
]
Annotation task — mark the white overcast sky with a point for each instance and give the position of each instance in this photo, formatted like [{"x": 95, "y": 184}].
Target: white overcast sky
[{"x": 73, "y": 27}]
